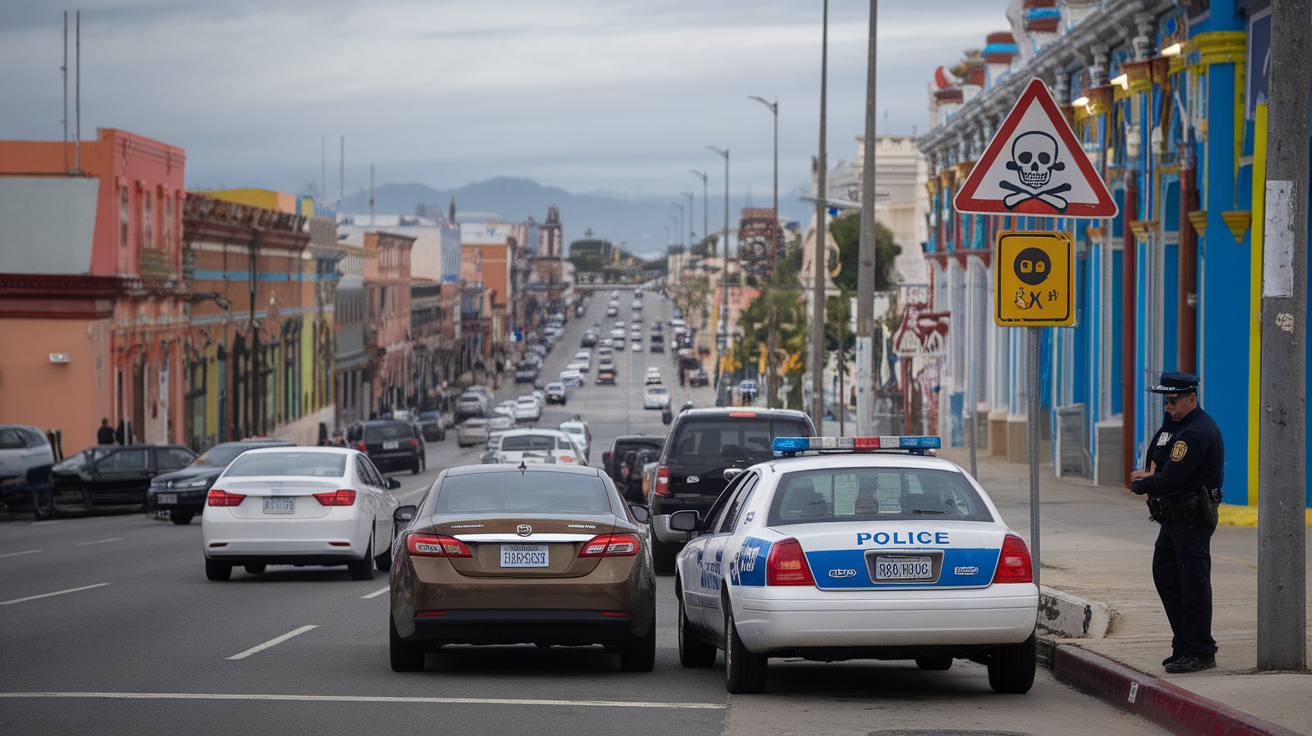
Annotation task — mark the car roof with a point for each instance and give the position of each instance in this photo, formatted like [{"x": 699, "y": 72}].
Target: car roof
[
  {"x": 726, "y": 411},
  {"x": 531, "y": 431},
  {"x": 380, "y": 422},
  {"x": 860, "y": 460},
  {"x": 326, "y": 450},
  {"x": 507, "y": 468}
]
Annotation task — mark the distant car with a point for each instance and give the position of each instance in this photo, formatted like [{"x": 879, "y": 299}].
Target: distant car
[
  {"x": 471, "y": 404},
  {"x": 571, "y": 378},
  {"x": 299, "y": 506},
  {"x": 390, "y": 444},
  {"x": 589, "y": 339},
  {"x": 556, "y": 393},
  {"x": 657, "y": 344},
  {"x": 526, "y": 373},
  {"x": 636, "y": 305},
  {"x": 505, "y": 408},
  {"x": 560, "y": 446},
  {"x": 527, "y": 409},
  {"x": 617, "y": 333},
  {"x": 613, "y": 460},
  {"x": 582, "y": 434},
  {"x": 606, "y": 377},
  {"x": 471, "y": 432},
  {"x": 582, "y": 366},
  {"x": 110, "y": 477},
  {"x": 653, "y": 377},
  {"x": 605, "y": 342},
  {"x": 181, "y": 493},
  {"x": 432, "y": 427},
  {"x": 636, "y": 346},
  {"x": 697, "y": 377},
  {"x": 655, "y": 397}
]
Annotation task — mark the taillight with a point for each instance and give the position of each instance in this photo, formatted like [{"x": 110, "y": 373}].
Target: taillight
[
  {"x": 414, "y": 442},
  {"x": 360, "y": 446},
  {"x": 223, "y": 498},
  {"x": 662, "y": 481},
  {"x": 336, "y": 498},
  {"x": 1014, "y": 562},
  {"x": 610, "y": 545},
  {"x": 567, "y": 458},
  {"x": 787, "y": 565},
  {"x": 435, "y": 545}
]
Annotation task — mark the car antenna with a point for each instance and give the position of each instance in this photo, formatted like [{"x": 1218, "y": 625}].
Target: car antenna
[{"x": 522, "y": 466}]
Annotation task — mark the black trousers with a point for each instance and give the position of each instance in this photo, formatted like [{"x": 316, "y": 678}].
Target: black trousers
[{"x": 1182, "y": 572}]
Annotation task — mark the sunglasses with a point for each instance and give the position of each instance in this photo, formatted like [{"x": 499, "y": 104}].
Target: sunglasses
[{"x": 1176, "y": 399}]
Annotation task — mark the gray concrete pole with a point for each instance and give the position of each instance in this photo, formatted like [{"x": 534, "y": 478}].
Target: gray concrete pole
[
  {"x": 1282, "y": 464},
  {"x": 771, "y": 339},
  {"x": 865, "y": 267},
  {"x": 1032, "y": 437},
  {"x": 817, "y": 362}
]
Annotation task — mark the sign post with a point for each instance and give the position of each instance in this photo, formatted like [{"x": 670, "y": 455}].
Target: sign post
[{"x": 1034, "y": 167}]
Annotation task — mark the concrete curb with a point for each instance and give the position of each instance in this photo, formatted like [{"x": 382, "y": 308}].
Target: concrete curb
[
  {"x": 1071, "y": 616},
  {"x": 1172, "y": 707}
]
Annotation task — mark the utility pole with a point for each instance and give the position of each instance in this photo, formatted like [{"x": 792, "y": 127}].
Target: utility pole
[
  {"x": 341, "y": 176},
  {"x": 706, "y": 227},
  {"x": 865, "y": 265},
  {"x": 772, "y": 319},
  {"x": 723, "y": 334},
  {"x": 63, "y": 72},
  {"x": 692, "y": 236},
  {"x": 1282, "y": 465},
  {"x": 821, "y": 229},
  {"x": 77, "y": 93}
]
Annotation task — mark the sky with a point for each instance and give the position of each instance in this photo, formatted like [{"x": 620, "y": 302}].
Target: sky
[{"x": 604, "y": 96}]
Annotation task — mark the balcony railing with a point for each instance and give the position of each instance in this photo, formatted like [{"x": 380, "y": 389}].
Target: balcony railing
[{"x": 153, "y": 265}]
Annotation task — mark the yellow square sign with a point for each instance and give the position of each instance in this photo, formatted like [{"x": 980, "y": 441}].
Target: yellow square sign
[{"x": 1034, "y": 279}]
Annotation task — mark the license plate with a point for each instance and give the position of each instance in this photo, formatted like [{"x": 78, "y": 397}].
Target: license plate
[
  {"x": 904, "y": 568},
  {"x": 279, "y": 505},
  {"x": 524, "y": 555},
  {"x": 167, "y": 499},
  {"x": 391, "y": 445}
]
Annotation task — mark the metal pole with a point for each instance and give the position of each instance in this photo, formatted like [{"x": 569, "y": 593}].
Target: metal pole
[
  {"x": 1032, "y": 439},
  {"x": 706, "y": 229},
  {"x": 1281, "y": 536},
  {"x": 77, "y": 93},
  {"x": 724, "y": 309},
  {"x": 771, "y": 370},
  {"x": 63, "y": 72},
  {"x": 865, "y": 265},
  {"x": 821, "y": 228}
]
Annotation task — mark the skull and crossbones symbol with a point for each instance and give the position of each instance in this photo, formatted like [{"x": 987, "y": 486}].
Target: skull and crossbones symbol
[{"x": 1034, "y": 158}]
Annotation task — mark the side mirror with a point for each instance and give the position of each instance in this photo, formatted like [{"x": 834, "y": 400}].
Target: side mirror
[
  {"x": 684, "y": 521},
  {"x": 404, "y": 514},
  {"x": 393, "y": 484},
  {"x": 640, "y": 513},
  {"x": 731, "y": 473}
]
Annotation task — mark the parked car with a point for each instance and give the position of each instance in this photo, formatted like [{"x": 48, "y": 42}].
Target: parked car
[
  {"x": 25, "y": 459},
  {"x": 389, "y": 444},
  {"x": 471, "y": 404},
  {"x": 110, "y": 477},
  {"x": 182, "y": 492},
  {"x": 473, "y": 431},
  {"x": 433, "y": 426},
  {"x": 527, "y": 372},
  {"x": 556, "y": 393}
]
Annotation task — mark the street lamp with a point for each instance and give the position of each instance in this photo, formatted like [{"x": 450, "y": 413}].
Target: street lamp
[
  {"x": 770, "y": 378},
  {"x": 706, "y": 230},
  {"x": 680, "y": 206},
  {"x": 724, "y": 275},
  {"x": 691, "y": 235}
]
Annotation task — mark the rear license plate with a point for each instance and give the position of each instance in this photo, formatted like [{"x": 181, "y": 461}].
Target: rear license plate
[
  {"x": 904, "y": 568},
  {"x": 391, "y": 445},
  {"x": 167, "y": 499},
  {"x": 524, "y": 555},
  {"x": 279, "y": 505}
]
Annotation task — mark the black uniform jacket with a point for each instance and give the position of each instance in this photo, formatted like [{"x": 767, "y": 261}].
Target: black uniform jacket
[{"x": 1195, "y": 458}]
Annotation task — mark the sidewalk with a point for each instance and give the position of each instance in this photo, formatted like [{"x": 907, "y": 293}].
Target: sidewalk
[{"x": 1097, "y": 544}]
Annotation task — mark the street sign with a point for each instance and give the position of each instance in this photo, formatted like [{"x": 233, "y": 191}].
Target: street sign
[
  {"x": 1034, "y": 277},
  {"x": 1035, "y": 166}
]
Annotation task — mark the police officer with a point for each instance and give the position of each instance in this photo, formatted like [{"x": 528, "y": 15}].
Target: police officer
[{"x": 1186, "y": 467}]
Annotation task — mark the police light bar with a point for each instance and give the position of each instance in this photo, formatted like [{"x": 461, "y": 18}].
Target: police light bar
[{"x": 794, "y": 445}]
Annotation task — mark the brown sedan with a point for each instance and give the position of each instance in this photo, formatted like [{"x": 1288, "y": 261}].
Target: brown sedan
[{"x": 538, "y": 554}]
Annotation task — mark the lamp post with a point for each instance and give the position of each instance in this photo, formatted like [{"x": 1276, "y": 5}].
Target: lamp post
[
  {"x": 691, "y": 235},
  {"x": 821, "y": 228},
  {"x": 680, "y": 206},
  {"x": 770, "y": 368},
  {"x": 724, "y": 275},
  {"x": 706, "y": 229}
]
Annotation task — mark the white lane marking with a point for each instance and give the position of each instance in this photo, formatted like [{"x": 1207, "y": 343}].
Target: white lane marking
[
  {"x": 373, "y": 699},
  {"x": 24, "y": 552},
  {"x": 47, "y": 523},
  {"x": 273, "y": 642},
  {"x": 377, "y": 593},
  {"x": 100, "y": 541},
  {"x": 57, "y": 592}
]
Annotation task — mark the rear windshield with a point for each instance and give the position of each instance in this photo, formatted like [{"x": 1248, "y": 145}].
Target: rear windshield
[
  {"x": 522, "y": 493},
  {"x": 429, "y": 416},
  {"x": 220, "y": 455},
  {"x": 380, "y": 432},
  {"x": 718, "y": 442},
  {"x": 875, "y": 494},
  {"x": 316, "y": 464},
  {"x": 522, "y": 442}
]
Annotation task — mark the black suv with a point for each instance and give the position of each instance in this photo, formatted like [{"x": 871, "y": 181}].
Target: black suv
[
  {"x": 390, "y": 444},
  {"x": 182, "y": 492},
  {"x": 701, "y": 446},
  {"x": 109, "y": 477},
  {"x": 613, "y": 461}
]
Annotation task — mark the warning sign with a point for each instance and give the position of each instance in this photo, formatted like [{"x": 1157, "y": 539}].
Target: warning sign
[
  {"x": 1035, "y": 166},
  {"x": 1034, "y": 279}
]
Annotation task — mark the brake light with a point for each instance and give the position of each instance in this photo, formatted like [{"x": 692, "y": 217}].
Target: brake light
[
  {"x": 435, "y": 545},
  {"x": 336, "y": 498},
  {"x": 414, "y": 442},
  {"x": 223, "y": 498},
  {"x": 742, "y": 413},
  {"x": 567, "y": 458},
  {"x": 1014, "y": 562},
  {"x": 662, "y": 481},
  {"x": 360, "y": 446},
  {"x": 787, "y": 565},
  {"x": 610, "y": 545}
]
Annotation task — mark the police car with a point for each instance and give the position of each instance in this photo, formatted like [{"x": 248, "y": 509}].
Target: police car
[{"x": 846, "y": 548}]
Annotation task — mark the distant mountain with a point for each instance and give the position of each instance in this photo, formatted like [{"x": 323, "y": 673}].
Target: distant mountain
[{"x": 638, "y": 223}]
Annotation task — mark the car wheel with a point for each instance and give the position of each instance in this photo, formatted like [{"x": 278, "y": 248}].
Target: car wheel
[
  {"x": 43, "y": 505},
  {"x": 662, "y": 556},
  {"x": 744, "y": 672},
  {"x": 1011, "y": 669},
  {"x": 641, "y": 656},
  {"x": 417, "y": 467},
  {"x": 255, "y": 568},
  {"x": 363, "y": 569},
  {"x": 217, "y": 570},
  {"x": 181, "y": 518},
  {"x": 934, "y": 663},
  {"x": 406, "y": 657},
  {"x": 693, "y": 652}
]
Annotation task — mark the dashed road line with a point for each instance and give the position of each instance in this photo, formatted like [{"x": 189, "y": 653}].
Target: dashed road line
[
  {"x": 24, "y": 552},
  {"x": 100, "y": 541},
  {"x": 47, "y": 595},
  {"x": 273, "y": 642},
  {"x": 374, "y": 699},
  {"x": 376, "y": 593}
]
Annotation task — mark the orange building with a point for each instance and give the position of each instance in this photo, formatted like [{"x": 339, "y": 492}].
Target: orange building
[{"x": 387, "y": 327}]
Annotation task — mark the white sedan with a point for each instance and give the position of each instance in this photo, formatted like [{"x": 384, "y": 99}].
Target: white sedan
[
  {"x": 519, "y": 444},
  {"x": 299, "y": 506},
  {"x": 850, "y": 554},
  {"x": 527, "y": 409},
  {"x": 655, "y": 397}
]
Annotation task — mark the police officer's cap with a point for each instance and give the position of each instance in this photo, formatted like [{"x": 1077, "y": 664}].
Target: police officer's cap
[{"x": 1176, "y": 383}]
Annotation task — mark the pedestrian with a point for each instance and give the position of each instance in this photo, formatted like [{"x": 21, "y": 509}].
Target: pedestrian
[
  {"x": 1186, "y": 468},
  {"x": 105, "y": 435}
]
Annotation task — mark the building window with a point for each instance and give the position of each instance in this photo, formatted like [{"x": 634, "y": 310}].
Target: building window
[
  {"x": 146, "y": 231},
  {"x": 123, "y": 219},
  {"x": 168, "y": 222}
]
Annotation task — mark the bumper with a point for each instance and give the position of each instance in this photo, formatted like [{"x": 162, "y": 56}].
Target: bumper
[
  {"x": 778, "y": 619},
  {"x": 660, "y": 526},
  {"x": 187, "y": 501},
  {"x": 525, "y": 626},
  {"x": 394, "y": 459},
  {"x": 322, "y": 541}
]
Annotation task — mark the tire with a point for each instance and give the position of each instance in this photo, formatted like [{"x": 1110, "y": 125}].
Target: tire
[
  {"x": 255, "y": 568},
  {"x": 744, "y": 672},
  {"x": 1011, "y": 669},
  {"x": 641, "y": 656},
  {"x": 417, "y": 467},
  {"x": 181, "y": 518},
  {"x": 693, "y": 652},
  {"x": 934, "y": 664},
  {"x": 43, "y": 505},
  {"x": 662, "y": 556},
  {"x": 363, "y": 569},
  {"x": 406, "y": 657},
  {"x": 217, "y": 570}
]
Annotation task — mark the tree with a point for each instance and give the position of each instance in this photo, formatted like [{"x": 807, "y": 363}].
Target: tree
[{"x": 847, "y": 235}]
